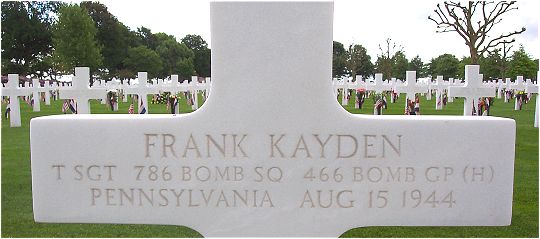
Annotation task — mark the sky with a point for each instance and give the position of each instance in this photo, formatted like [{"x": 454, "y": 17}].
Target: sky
[{"x": 368, "y": 23}]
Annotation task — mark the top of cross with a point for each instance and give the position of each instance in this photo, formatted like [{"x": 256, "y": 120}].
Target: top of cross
[
  {"x": 378, "y": 86},
  {"x": 411, "y": 88},
  {"x": 519, "y": 84},
  {"x": 531, "y": 87},
  {"x": 12, "y": 88},
  {"x": 440, "y": 84},
  {"x": 473, "y": 88}
]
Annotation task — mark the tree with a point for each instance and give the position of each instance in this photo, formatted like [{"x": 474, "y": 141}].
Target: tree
[
  {"x": 74, "y": 39},
  {"x": 461, "y": 68},
  {"x": 339, "y": 59},
  {"x": 417, "y": 65},
  {"x": 446, "y": 65},
  {"x": 146, "y": 37},
  {"x": 401, "y": 64},
  {"x": 142, "y": 58},
  {"x": 194, "y": 42},
  {"x": 358, "y": 61},
  {"x": 202, "y": 54},
  {"x": 474, "y": 22},
  {"x": 26, "y": 35},
  {"x": 176, "y": 57},
  {"x": 488, "y": 66},
  {"x": 385, "y": 61},
  {"x": 522, "y": 64},
  {"x": 110, "y": 35},
  {"x": 501, "y": 57}
]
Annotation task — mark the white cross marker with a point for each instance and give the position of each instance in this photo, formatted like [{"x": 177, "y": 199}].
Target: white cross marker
[
  {"x": 439, "y": 91},
  {"x": 411, "y": 88},
  {"x": 472, "y": 90},
  {"x": 378, "y": 86},
  {"x": 48, "y": 89},
  {"x": 142, "y": 90},
  {"x": 499, "y": 88},
  {"x": 36, "y": 89},
  {"x": 518, "y": 86},
  {"x": 13, "y": 91},
  {"x": 530, "y": 89},
  {"x": 80, "y": 90}
]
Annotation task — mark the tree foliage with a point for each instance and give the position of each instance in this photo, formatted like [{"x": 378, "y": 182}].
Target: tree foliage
[
  {"x": 474, "y": 21},
  {"x": 74, "y": 39},
  {"x": 201, "y": 54},
  {"x": 110, "y": 36},
  {"x": 522, "y": 64},
  {"x": 358, "y": 61},
  {"x": 417, "y": 65},
  {"x": 401, "y": 64},
  {"x": 176, "y": 57},
  {"x": 339, "y": 59},
  {"x": 26, "y": 36},
  {"x": 446, "y": 65},
  {"x": 385, "y": 63},
  {"x": 142, "y": 58}
]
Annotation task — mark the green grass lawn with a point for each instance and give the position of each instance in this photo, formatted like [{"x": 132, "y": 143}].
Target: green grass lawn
[{"x": 17, "y": 217}]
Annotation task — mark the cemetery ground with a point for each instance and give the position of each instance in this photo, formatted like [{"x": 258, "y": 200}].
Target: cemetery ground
[{"x": 17, "y": 216}]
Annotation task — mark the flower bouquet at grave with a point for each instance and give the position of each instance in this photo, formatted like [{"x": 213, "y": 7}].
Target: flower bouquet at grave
[{"x": 162, "y": 98}]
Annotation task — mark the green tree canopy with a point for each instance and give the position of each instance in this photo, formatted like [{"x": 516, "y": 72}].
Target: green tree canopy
[
  {"x": 176, "y": 57},
  {"x": 110, "y": 35},
  {"x": 358, "y": 61},
  {"x": 446, "y": 65},
  {"x": 26, "y": 36},
  {"x": 142, "y": 58},
  {"x": 417, "y": 65},
  {"x": 202, "y": 54},
  {"x": 386, "y": 59},
  {"x": 74, "y": 39},
  {"x": 339, "y": 60},
  {"x": 401, "y": 64},
  {"x": 522, "y": 64},
  {"x": 146, "y": 37},
  {"x": 194, "y": 42}
]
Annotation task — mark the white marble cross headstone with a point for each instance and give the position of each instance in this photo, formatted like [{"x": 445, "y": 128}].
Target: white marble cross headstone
[
  {"x": 472, "y": 90},
  {"x": 36, "y": 96},
  {"x": 194, "y": 92},
  {"x": 411, "y": 88},
  {"x": 378, "y": 86},
  {"x": 142, "y": 90},
  {"x": 439, "y": 92},
  {"x": 48, "y": 89},
  {"x": 289, "y": 161},
  {"x": 533, "y": 89},
  {"x": 13, "y": 91},
  {"x": 428, "y": 84},
  {"x": 174, "y": 87},
  {"x": 518, "y": 86},
  {"x": 80, "y": 90},
  {"x": 499, "y": 88}
]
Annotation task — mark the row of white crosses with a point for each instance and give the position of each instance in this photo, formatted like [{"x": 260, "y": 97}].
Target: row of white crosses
[
  {"x": 472, "y": 90},
  {"x": 13, "y": 91},
  {"x": 81, "y": 92}
]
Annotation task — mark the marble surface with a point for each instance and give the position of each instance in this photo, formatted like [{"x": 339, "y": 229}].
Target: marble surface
[{"x": 271, "y": 152}]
